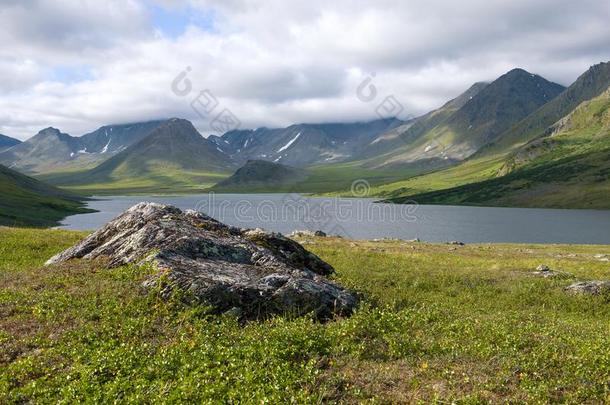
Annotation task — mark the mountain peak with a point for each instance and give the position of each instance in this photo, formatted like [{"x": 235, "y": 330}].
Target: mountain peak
[
  {"x": 52, "y": 133},
  {"x": 463, "y": 98},
  {"x": 518, "y": 71},
  {"x": 178, "y": 128},
  {"x": 49, "y": 131},
  {"x": 500, "y": 104},
  {"x": 521, "y": 74},
  {"x": 600, "y": 66},
  {"x": 179, "y": 121},
  {"x": 590, "y": 84}
]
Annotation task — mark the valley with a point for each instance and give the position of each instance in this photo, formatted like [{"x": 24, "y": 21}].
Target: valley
[
  {"x": 304, "y": 202},
  {"x": 518, "y": 141}
]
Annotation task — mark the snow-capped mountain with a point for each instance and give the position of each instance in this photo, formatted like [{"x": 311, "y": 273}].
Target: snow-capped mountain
[{"x": 303, "y": 144}]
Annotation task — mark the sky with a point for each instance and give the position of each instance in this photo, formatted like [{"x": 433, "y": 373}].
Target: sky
[{"x": 80, "y": 64}]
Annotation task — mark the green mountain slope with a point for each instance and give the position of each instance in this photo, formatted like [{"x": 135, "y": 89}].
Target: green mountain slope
[
  {"x": 398, "y": 138},
  {"x": 494, "y": 159},
  {"x": 589, "y": 85},
  {"x": 504, "y": 102},
  {"x": 260, "y": 175},
  {"x": 495, "y": 108},
  {"x": 570, "y": 167},
  {"x": 173, "y": 157},
  {"x": 459, "y": 133},
  {"x": 25, "y": 201}
]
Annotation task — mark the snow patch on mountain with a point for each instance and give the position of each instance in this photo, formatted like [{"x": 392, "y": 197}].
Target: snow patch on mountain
[
  {"x": 105, "y": 148},
  {"x": 289, "y": 144}
]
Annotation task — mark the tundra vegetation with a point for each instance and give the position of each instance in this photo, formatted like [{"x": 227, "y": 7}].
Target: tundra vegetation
[{"x": 436, "y": 323}]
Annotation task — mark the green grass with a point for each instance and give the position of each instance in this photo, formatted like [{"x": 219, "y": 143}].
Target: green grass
[
  {"x": 437, "y": 323},
  {"x": 469, "y": 171},
  {"x": 160, "y": 179}
]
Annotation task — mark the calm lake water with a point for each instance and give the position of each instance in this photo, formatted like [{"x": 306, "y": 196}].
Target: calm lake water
[{"x": 364, "y": 219}]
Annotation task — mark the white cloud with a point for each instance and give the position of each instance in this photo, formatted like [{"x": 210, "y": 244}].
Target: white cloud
[{"x": 275, "y": 62}]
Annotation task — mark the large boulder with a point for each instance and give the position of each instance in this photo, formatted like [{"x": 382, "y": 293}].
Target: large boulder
[{"x": 251, "y": 272}]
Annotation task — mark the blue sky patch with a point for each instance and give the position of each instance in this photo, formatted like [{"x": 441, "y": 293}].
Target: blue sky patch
[
  {"x": 173, "y": 21},
  {"x": 71, "y": 73}
]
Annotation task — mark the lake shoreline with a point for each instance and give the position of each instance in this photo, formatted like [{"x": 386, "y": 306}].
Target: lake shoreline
[{"x": 366, "y": 219}]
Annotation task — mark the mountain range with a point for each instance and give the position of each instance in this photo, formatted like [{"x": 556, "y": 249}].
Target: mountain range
[
  {"x": 475, "y": 119},
  {"x": 519, "y": 150},
  {"x": 52, "y": 150},
  {"x": 567, "y": 166},
  {"x": 492, "y": 135},
  {"x": 304, "y": 144},
  {"x": 173, "y": 155}
]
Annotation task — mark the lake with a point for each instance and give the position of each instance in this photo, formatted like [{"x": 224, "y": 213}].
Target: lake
[{"x": 362, "y": 218}]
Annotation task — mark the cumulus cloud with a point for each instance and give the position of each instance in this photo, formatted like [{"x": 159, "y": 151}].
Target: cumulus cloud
[{"x": 274, "y": 62}]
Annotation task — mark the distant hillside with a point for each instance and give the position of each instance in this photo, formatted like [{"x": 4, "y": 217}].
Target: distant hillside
[
  {"x": 510, "y": 151},
  {"x": 260, "y": 175},
  {"x": 303, "y": 145},
  {"x": 25, "y": 201},
  {"x": 568, "y": 168},
  {"x": 7, "y": 142},
  {"x": 480, "y": 120},
  {"x": 51, "y": 150},
  {"x": 173, "y": 156},
  {"x": 404, "y": 135},
  {"x": 44, "y": 151},
  {"x": 589, "y": 85}
]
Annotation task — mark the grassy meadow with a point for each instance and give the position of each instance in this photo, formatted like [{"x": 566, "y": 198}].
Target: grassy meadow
[
  {"x": 160, "y": 179},
  {"x": 437, "y": 323}
]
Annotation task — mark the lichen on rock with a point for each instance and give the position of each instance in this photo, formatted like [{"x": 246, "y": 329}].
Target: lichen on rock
[{"x": 248, "y": 271}]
